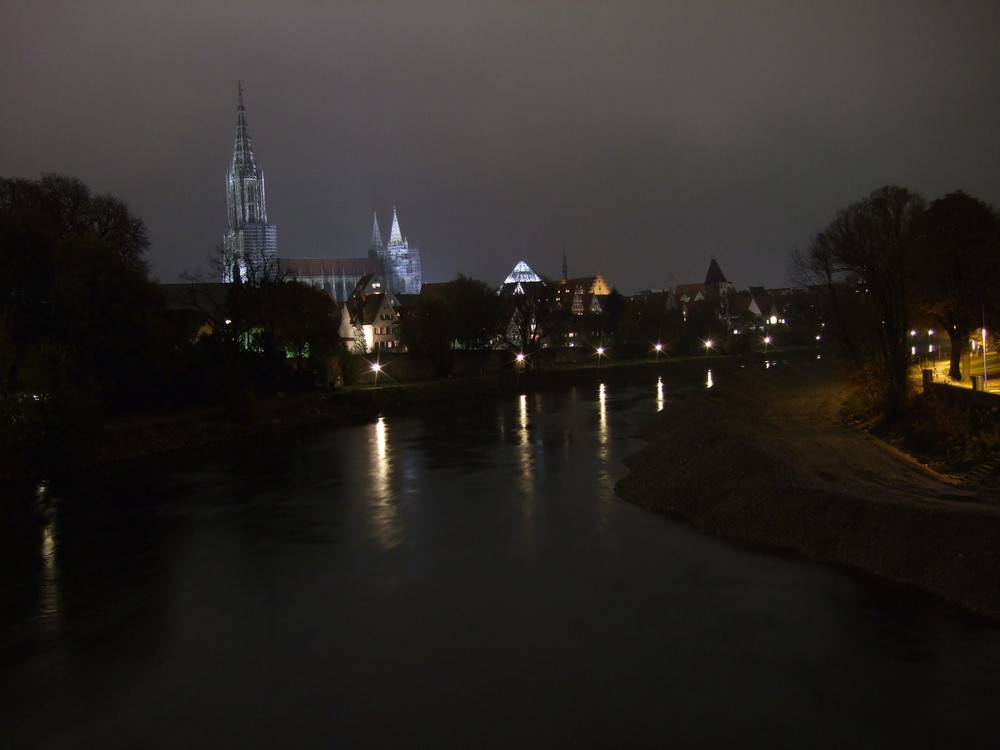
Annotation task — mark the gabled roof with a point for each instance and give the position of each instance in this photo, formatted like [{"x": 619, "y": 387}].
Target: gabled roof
[
  {"x": 374, "y": 304},
  {"x": 691, "y": 291},
  {"x": 715, "y": 275},
  {"x": 370, "y": 284},
  {"x": 328, "y": 267},
  {"x": 593, "y": 284},
  {"x": 592, "y": 302}
]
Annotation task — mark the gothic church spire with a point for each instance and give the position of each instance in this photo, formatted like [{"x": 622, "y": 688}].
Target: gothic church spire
[
  {"x": 245, "y": 180},
  {"x": 250, "y": 247},
  {"x": 395, "y": 236},
  {"x": 377, "y": 246}
]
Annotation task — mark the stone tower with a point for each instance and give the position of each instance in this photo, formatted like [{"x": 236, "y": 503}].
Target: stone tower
[{"x": 250, "y": 246}]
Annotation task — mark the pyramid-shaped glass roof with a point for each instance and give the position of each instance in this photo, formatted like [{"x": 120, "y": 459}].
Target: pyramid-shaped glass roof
[{"x": 522, "y": 274}]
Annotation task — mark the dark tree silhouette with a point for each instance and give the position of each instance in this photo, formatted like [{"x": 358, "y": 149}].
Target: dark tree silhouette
[
  {"x": 956, "y": 268},
  {"x": 868, "y": 247}
]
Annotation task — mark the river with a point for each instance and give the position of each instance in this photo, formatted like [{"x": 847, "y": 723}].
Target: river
[{"x": 459, "y": 577}]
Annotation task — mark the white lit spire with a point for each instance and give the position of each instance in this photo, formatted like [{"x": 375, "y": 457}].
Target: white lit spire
[
  {"x": 245, "y": 180},
  {"x": 395, "y": 236},
  {"x": 377, "y": 245}
]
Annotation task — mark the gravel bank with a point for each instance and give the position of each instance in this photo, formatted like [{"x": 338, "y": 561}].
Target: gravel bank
[{"x": 765, "y": 458}]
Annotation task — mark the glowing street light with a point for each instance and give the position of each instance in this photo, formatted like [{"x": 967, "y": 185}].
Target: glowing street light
[
  {"x": 658, "y": 348},
  {"x": 376, "y": 369},
  {"x": 767, "y": 340},
  {"x": 520, "y": 359},
  {"x": 600, "y": 353},
  {"x": 708, "y": 345},
  {"x": 985, "y": 376}
]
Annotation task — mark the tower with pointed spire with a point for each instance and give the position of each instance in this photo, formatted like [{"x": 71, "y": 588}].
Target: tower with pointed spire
[
  {"x": 250, "y": 246},
  {"x": 401, "y": 263},
  {"x": 377, "y": 249}
]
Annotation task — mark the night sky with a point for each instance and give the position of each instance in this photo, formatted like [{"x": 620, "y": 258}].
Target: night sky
[{"x": 640, "y": 138}]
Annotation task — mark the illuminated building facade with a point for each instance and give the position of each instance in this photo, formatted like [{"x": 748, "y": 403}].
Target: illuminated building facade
[{"x": 250, "y": 247}]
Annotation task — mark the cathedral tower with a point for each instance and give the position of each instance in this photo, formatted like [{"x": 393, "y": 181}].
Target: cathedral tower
[
  {"x": 250, "y": 247},
  {"x": 402, "y": 262}
]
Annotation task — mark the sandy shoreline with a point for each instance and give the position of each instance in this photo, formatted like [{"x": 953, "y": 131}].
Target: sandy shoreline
[{"x": 765, "y": 458}]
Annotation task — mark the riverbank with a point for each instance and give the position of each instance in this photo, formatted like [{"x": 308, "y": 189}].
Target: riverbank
[
  {"x": 764, "y": 457},
  {"x": 155, "y": 433}
]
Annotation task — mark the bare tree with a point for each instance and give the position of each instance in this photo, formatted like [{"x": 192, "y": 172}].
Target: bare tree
[{"x": 866, "y": 249}]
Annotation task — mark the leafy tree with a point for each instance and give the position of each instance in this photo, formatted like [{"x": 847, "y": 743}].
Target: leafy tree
[
  {"x": 66, "y": 207},
  {"x": 614, "y": 308},
  {"x": 532, "y": 317},
  {"x": 425, "y": 329},
  {"x": 52, "y": 414},
  {"x": 75, "y": 277},
  {"x": 956, "y": 268},
  {"x": 476, "y": 312},
  {"x": 307, "y": 320},
  {"x": 646, "y": 322},
  {"x": 867, "y": 248},
  {"x": 272, "y": 320}
]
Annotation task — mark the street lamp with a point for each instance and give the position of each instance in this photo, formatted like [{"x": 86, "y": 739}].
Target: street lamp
[
  {"x": 376, "y": 369},
  {"x": 767, "y": 340},
  {"x": 985, "y": 376},
  {"x": 708, "y": 345},
  {"x": 600, "y": 353},
  {"x": 658, "y": 348}
]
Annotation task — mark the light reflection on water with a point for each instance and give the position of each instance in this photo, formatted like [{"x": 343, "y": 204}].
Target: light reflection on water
[
  {"x": 659, "y": 394},
  {"x": 50, "y": 616},
  {"x": 605, "y": 479},
  {"x": 526, "y": 473},
  {"x": 384, "y": 511}
]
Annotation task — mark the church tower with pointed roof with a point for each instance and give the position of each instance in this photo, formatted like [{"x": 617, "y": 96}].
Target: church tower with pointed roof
[
  {"x": 716, "y": 283},
  {"x": 401, "y": 261},
  {"x": 377, "y": 249},
  {"x": 250, "y": 246}
]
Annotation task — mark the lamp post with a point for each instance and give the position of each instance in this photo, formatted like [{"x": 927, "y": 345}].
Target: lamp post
[
  {"x": 600, "y": 353},
  {"x": 658, "y": 348},
  {"x": 985, "y": 376},
  {"x": 376, "y": 369},
  {"x": 708, "y": 345}
]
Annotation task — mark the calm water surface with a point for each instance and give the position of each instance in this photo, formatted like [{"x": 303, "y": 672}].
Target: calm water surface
[{"x": 458, "y": 578}]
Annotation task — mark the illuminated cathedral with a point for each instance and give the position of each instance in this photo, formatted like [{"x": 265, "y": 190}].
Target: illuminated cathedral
[{"x": 250, "y": 247}]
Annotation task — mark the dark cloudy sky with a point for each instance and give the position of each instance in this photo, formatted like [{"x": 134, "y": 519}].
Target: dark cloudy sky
[{"x": 640, "y": 138}]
